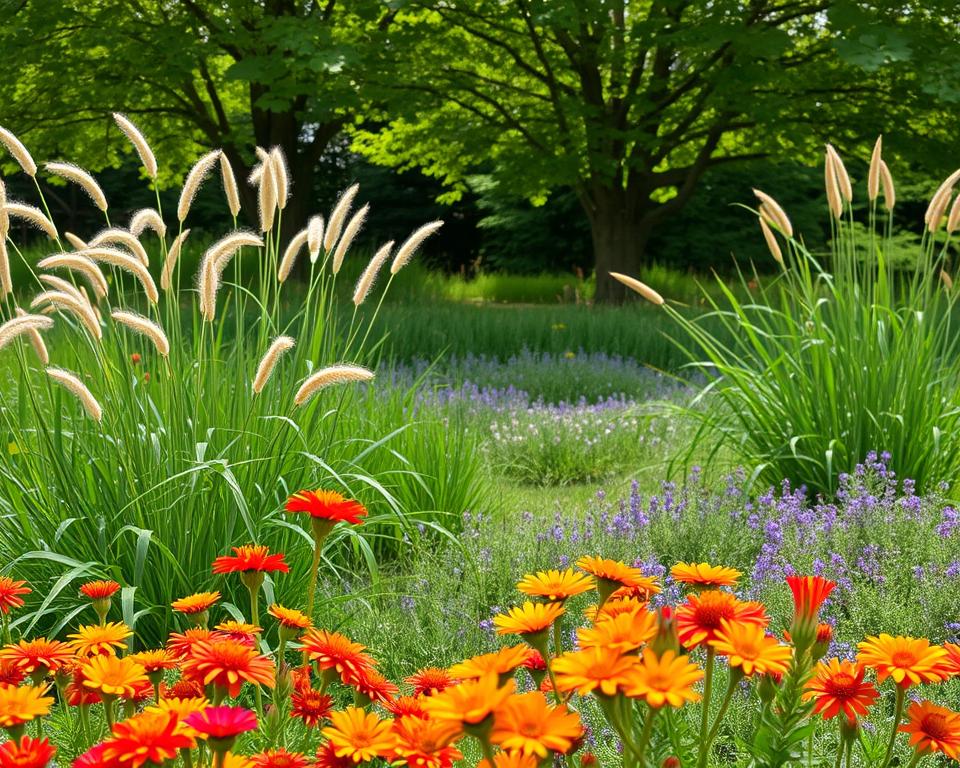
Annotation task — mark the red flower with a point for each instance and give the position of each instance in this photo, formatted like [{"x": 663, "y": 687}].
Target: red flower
[
  {"x": 26, "y": 753},
  {"x": 10, "y": 673},
  {"x": 222, "y": 722},
  {"x": 227, "y": 664},
  {"x": 280, "y": 758},
  {"x": 180, "y": 644},
  {"x": 406, "y": 706},
  {"x": 327, "y": 758},
  {"x": 809, "y": 593},
  {"x": 331, "y": 650},
  {"x": 431, "y": 680},
  {"x": 250, "y": 557},
  {"x": 10, "y": 592},
  {"x": 311, "y": 706},
  {"x": 368, "y": 682},
  {"x": 99, "y": 590},
  {"x": 135, "y": 358},
  {"x": 94, "y": 758},
  {"x": 40, "y": 655},
  {"x": 154, "y": 737},
  {"x": 327, "y": 505}
]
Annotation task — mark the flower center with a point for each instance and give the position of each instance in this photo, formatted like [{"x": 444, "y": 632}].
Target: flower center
[
  {"x": 935, "y": 726},
  {"x": 843, "y": 685},
  {"x": 529, "y": 728},
  {"x": 903, "y": 659}
]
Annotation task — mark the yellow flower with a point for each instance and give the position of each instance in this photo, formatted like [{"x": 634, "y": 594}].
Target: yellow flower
[
  {"x": 499, "y": 662},
  {"x": 93, "y": 640},
  {"x": 591, "y": 669},
  {"x": 749, "y": 647},
  {"x": 530, "y": 619},
  {"x": 360, "y": 736},
  {"x": 667, "y": 679},
  {"x": 705, "y": 575},
  {"x": 469, "y": 703},
  {"x": 555, "y": 585},
  {"x": 908, "y": 660},
  {"x": 623, "y": 633},
  {"x": 114, "y": 676},
  {"x": 23, "y": 704},
  {"x": 528, "y": 724}
]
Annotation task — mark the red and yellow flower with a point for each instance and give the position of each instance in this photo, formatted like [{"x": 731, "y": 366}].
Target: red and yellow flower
[
  {"x": 99, "y": 590},
  {"x": 430, "y": 680},
  {"x": 96, "y": 639},
  {"x": 310, "y": 706},
  {"x": 750, "y": 649},
  {"x": 933, "y": 729},
  {"x": 837, "y": 687},
  {"x": 290, "y": 618},
  {"x": 280, "y": 758},
  {"x": 227, "y": 664},
  {"x": 907, "y": 660},
  {"x": 114, "y": 676},
  {"x": 809, "y": 594},
  {"x": 251, "y": 557},
  {"x": 622, "y": 633},
  {"x": 150, "y": 737},
  {"x": 331, "y": 650},
  {"x": 700, "y": 618},
  {"x": 593, "y": 669},
  {"x": 500, "y": 662},
  {"x": 199, "y": 602},
  {"x": 26, "y": 753},
  {"x": 10, "y": 593},
  {"x": 469, "y": 703},
  {"x": 19, "y": 705},
  {"x": 423, "y": 743},
  {"x": 327, "y": 505},
  {"x": 37, "y": 657}
]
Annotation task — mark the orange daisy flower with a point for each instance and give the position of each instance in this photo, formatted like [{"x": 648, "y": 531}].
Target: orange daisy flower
[
  {"x": 749, "y": 648},
  {"x": 331, "y": 650},
  {"x": 430, "y": 680},
  {"x": 153, "y": 737},
  {"x": 360, "y": 736},
  {"x": 10, "y": 591},
  {"x": 310, "y": 706},
  {"x": 612, "y": 574},
  {"x": 469, "y": 703},
  {"x": 530, "y": 619},
  {"x": 37, "y": 657},
  {"x": 180, "y": 643},
  {"x": 10, "y": 674},
  {"x": 195, "y": 603},
  {"x": 705, "y": 575},
  {"x": 290, "y": 618},
  {"x": 527, "y": 724},
  {"x": 250, "y": 557},
  {"x": 593, "y": 669},
  {"x": 327, "y": 505},
  {"x": 95, "y": 639},
  {"x": 933, "y": 729},
  {"x": 369, "y": 682},
  {"x": 406, "y": 706},
  {"x": 642, "y": 590},
  {"x": 26, "y": 753},
  {"x": 99, "y": 590},
  {"x": 838, "y": 687},
  {"x": 510, "y": 760},
  {"x": 908, "y": 660},
  {"x": 613, "y": 607},
  {"x": 279, "y": 758},
  {"x": 661, "y": 680},
  {"x": 699, "y": 618},
  {"x": 21, "y": 705},
  {"x": 114, "y": 676},
  {"x": 227, "y": 664},
  {"x": 239, "y": 631},
  {"x": 182, "y": 707},
  {"x": 555, "y": 585},
  {"x": 182, "y": 689},
  {"x": 423, "y": 743},
  {"x": 500, "y": 662},
  {"x": 622, "y": 633},
  {"x": 155, "y": 661}
]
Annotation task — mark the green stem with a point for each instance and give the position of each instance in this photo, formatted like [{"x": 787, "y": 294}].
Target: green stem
[
  {"x": 705, "y": 713},
  {"x": 314, "y": 572},
  {"x": 728, "y": 697},
  {"x": 897, "y": 715},
  {"x": 645, "y": 735}
]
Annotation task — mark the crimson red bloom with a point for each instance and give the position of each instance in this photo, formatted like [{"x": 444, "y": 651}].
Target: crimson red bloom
[
  {"x": 10, "y": 592},
  {"x": 99, "y": 590},
  {"x": 94, "y": 758},
  {"x": 327, "y": 505},
  {"x": 222, "y": 722},
  {"x": 327, "y": 758},
  {"x": 250, "y": 557},
  {"x": 310, "y": 705},
  {"x": 809, "y": 594}
]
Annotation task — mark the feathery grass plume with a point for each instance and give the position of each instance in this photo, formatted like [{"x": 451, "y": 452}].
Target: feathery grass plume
[
  {"x": 889, "y": 191},
  {"x": 77, "y": 388},
  {"x": 166, "y": 276},
  {"x": 338, "y": 215},
  {"x": 122, "y": 237},
  {"x": 351, "y": 231},
  {"x": 117, "y": 258},
  {"x": 144, "y": 326},
  {"x": 279, "y": 345},
  {"x": 943, "y": 191},
  {"x": 262, "y": 155},
  {"x": 214, "y": 262},
  {"x": 35, "y": 324},
  {"x": 410, "y": 245},
  {"x": 953, "y": 218},
  {"x": 290, "y": 254},
  {"x": 15, "y": 147},
  {"x": 193, "y": 181},
  {"x": 4, "y": 219},
  {"x": 6, "y": 280},
  {"x": 369, "y": 276},
  {"x": 33, "y": 216},
  {"x": 947, "y": 280},
  {"x": 229, "y": 185},
  {"x": 58, "y": 283},
  {"x": 75, "y": 241},
  {"x": 81, "y": 178},
  {"x": 23, "y": 324},
  {"x": 314, "y": 237},
  {"x": 75, "y": 305},
  {"x": 267, "y": 195},
  {"x": 937, "y": 209},
  {"x": 81, "y": 264},
  {"x": 326, "y": 377},
  {"x": 834, "y": 201},
  {"x": 86, "y": 298},
  {"x": 144, "y": 219},
  {"x": 771, "y": 239},
  {"x": 281, "y": 176},
  {"x": 224, "y": 249},
  {"x": 255, "y": 174},
  {"x": 840, "y": 170},
  {"x": 775, "y": 215},
  {"x": 139, "y": 143},
  {"x": 642, "y": 288},
  {"x": 873, "y": 175}
]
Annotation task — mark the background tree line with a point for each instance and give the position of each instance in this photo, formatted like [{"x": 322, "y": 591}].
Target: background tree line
[{"x": 550, "y": 134}]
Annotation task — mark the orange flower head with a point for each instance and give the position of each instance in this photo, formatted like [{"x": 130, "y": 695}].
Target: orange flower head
[
  {"x": 500, "y": 662},
  {"x": 114, "y": 676},
  {"x": 290, "y": 618},
  {"x": 430, "y": 680},
  {"x": 407, "y": 706},
  {"x": 239, "y": 632},
  {"x": 280, "y": 758},
  {"x": 423, "y": 743},
  {"x": 529, "y": 620},
  {"x": 809, "y": 594},
  {"x": 908, "y": 660},
  {"x": 593, "y": 669},
  {"x": 837, "y": 687},
  {"x": 470, "y": 703},
  {"x": 705, "y": 575},
  {"x": 150, "y": 737},
  {"x": 360, "y": 736},
  {"x": 526, "y": 723},
  {"x": 310, "y": 706},
  {"x": 26, "y": 753},
  {"x": 613, "y": 574},
  {"x": 183, "y": 689},
  {"x": 327, "y": 758},
  {"x": 21, "y": 705},
  {"x": 933, "y": 729},
  {"x": 614, "y": 607},
  {"x": 643, "y": 590},
  {"x": 227, "y": 664},
  {"x": 250, "y": 557},
  {"x": 511, "y": 760},
  {"x": 10, "y": 674},
  {"x": 199, "y": 602},
  {"x": 623, "y": 633},
  {"x": 183, "y": 708},
  {"x": 331, "y": 650},
  {"x": 953, "y": 658},
  {"x": 700, "y": 617},
  {"x": 750, "y": 649},
  {"x": 95, "y": 639},
  {"x": 38, "y": 656},
  {"x": 180, "y": 643},
  {"x": 662, "y": 680},
  {"x": 10, "y": 592},
  {"x": 99, "y": 590},
  {"x": 555, "y": 585},
  {"x": 327, "y": 505},
  {"x": 155, "y": 660},
  {"x": 370, "y": 683}
]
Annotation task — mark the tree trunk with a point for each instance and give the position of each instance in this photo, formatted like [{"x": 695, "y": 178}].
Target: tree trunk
[{"x": 620, "y": 233}]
